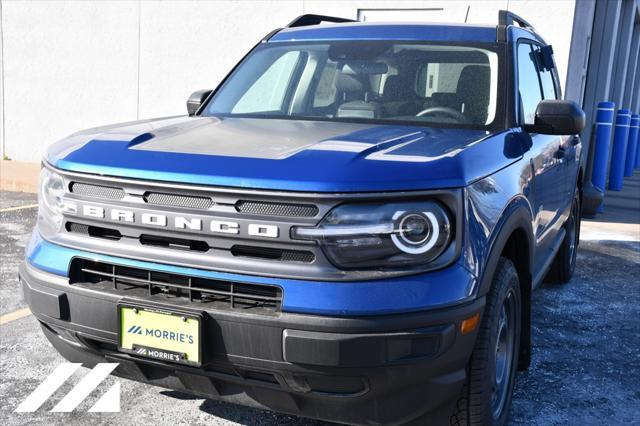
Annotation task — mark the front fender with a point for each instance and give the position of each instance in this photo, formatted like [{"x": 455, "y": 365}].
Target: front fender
[
  {"x": 516, "y": 218},
  {"x": 496, "y": 207}
]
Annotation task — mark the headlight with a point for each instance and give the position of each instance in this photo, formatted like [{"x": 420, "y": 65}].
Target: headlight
[
  {"x": 50, "y": 201},
  {"x": 382, "y": 236}
]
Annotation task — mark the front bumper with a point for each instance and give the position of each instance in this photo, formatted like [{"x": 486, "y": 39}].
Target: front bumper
[{"x": 371, "y": 369}]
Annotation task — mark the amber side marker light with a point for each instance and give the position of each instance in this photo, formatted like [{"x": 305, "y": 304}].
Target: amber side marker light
[{"x": 469, "y": 324}]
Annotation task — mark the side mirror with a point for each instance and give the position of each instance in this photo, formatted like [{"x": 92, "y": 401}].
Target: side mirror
[
  {"x": 557, "y": 117},
  {"x": 196, "y": 99}
]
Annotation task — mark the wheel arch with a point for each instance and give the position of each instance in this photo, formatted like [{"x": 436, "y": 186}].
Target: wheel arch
[{"x": 515, "y": 241}]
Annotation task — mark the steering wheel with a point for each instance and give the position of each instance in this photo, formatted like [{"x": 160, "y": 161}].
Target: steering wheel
[{"x": 443, "y": 111}]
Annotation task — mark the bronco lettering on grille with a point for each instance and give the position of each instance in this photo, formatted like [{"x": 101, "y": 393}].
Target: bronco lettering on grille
[{"x": 179, "y": 222}]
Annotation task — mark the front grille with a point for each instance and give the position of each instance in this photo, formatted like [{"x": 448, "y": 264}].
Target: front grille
[
  {"x": 93, "y": 231},
  {"x": 174, "y": 200},
  {"x": 167, "y": 242},
  {"x": 215, "y": 294},
  {"x": 97, "y": 191},
  {"x": 174, "y": 243},
  {"x": 260, "y": 208},
  {"x": 267, "y": 253},
  {"x": 276, "y": 209}
]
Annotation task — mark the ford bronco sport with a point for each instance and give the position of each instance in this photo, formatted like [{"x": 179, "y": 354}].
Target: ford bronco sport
[{"x": 348, "y": 228}]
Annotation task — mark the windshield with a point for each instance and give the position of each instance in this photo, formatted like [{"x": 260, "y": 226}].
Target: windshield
[{"x": 377, "y": 81}]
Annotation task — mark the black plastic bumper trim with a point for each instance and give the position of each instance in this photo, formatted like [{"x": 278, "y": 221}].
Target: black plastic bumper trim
[
  {"x": 357, "y": 350},
  {"x": 385, "y": 370}
]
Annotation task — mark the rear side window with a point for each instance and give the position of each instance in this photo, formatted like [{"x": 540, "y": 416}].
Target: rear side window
[{"x": 528, "y": 83}]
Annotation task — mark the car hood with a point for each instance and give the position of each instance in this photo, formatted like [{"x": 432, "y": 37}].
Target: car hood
[{"x": 295, "y": 155}]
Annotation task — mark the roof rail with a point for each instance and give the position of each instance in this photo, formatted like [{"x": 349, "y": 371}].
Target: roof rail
[
  {"x": 310, "y": 19},
  {"x": 506, "y": 18}
]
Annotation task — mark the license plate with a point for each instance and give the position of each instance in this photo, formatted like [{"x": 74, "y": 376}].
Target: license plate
[{"x": 161, "y": 335}]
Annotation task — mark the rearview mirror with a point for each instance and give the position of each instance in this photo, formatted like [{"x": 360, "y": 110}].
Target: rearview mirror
[
  {"x": 364, "y": 68},
  {"x": 557, "y": 117},
  {"x": 196, "y": 99}
]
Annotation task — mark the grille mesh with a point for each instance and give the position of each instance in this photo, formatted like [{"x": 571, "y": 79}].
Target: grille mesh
[
  {"x": 78, "y": 228},
  {"x": 178, "y": 200},
  {"x": 93, "y": 231},
  {"x": 97, "y": 191},
  {"x": 276, "y": 209},
  {"x": 297, "y": 256},
  {"x": 267, "y": 253}
]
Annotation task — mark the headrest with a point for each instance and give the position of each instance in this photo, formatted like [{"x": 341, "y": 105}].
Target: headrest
[
  {"x": 397, "y": 88},
  {"x": 474, "y": 78},
  {"x": 473, "y": 91}
]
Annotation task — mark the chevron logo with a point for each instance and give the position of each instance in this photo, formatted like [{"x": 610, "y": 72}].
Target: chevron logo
[
  {"x": 135, "y": 329},
  {"x": 108, "y": 403}
]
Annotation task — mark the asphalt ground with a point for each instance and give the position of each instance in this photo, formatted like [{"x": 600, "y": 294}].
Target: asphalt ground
[{"x": 586, "y": 345}]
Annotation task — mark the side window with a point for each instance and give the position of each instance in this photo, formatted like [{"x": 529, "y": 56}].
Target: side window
[
  {"x": 528, "y": 83},
  {"x": 547, "y": 85},
  {"x": 546, "y": 76},
  {"x": 326, "y": 91},
  {"x": 268, "y": 92}
]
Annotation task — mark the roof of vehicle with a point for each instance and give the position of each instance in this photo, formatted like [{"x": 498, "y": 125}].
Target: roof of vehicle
[
  {"x": 306, "y": 28},
  {"x": 388, "y": 31}
]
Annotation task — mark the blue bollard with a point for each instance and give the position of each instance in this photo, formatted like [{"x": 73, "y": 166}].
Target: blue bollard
[
  {"x": 604, "y": 121},
  {"x": 638, "y": 150},
  {"x": 619, "y": 151},
  {"x": 632, "y": 145}
]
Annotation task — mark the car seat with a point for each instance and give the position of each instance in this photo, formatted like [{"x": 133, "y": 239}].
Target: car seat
[
  {"x": 358, "y": 104},
  {"x": 399, "y": 97}
]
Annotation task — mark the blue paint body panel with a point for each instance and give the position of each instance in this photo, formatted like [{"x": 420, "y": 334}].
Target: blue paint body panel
[
  {"x": 405, "y": 294},
  {"x": 418, "y": 158}
]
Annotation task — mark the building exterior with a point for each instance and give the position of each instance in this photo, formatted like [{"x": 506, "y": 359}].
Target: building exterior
[{"x": 68, "y": 65}]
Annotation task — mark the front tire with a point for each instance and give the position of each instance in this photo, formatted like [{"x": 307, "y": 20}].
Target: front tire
[
  {"x": 486, "y": 397},
  {"x": 564, "y": 263}
]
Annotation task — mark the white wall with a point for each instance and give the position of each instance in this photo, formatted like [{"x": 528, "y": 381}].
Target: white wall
[
  {"x": 65, "y": 64},
  {"x": 69, "y": 65}
]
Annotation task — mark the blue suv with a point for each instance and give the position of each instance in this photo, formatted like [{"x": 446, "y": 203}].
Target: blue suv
[{"x": 348, "y": 228}]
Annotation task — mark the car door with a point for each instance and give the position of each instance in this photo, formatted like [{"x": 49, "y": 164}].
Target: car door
[
  {"x": 545, "y": 155},
  {"x": 567, "y": 154}
]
